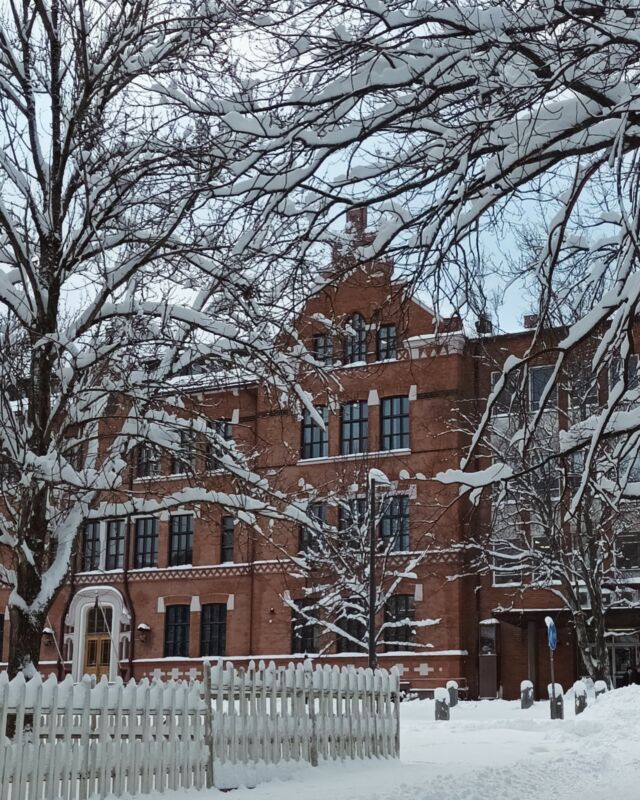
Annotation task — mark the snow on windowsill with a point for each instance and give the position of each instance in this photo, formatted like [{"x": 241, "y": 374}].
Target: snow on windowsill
[{"x": 355, "y": 456}]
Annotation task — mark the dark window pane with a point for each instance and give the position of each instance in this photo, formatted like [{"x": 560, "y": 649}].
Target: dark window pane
[
  {"x": 315, "y": 440},
  {"x": 182, "y": 460},
  {"x": 353, "y": 623},
  {"x": 226, "y": 553},
  {"x": 395, "y": 423},
  {"x": 399, "y": 612},
  {"x": 354, "y": 428},
  {"x": 387, "y": 347},
  {"x": 355, "y": 340},
  {"x": 213, "y": 629},
  {"x": 318, "y": 512},
  {"x": 506, "y": 402},
  {"x": 148, "y": 462},
  {"x": 394, "y": 524},
  {"x": 220, "y": 431},
  {"x": 181, "y": 539},
  {"x": 305, "y": 635},
  {"x": 99, "y": 619},
  {"x": 91, "y": 547},
  {"x": 146, "y": 542},
  {"x": 115, "y": 544},
  {"x": 538, "y": 379},
  {"x": 176, "y": 631},
  {"x": 323, "y": 348}
]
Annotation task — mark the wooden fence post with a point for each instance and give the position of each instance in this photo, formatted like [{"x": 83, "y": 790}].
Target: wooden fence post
[
  {"x": 311, "y": 702},
  {"x": 208, "y": 723}
]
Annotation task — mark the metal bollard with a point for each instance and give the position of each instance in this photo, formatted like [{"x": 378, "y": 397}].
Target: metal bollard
[
  {"x": 556, "y": 705},
  {"x": 441, "y": 696},
  {"x": 580, "y": 696},
  {"x": 526, "y": 694},
  {"x": 452, "y": 688},
  {"x": 600, "y": 688}
]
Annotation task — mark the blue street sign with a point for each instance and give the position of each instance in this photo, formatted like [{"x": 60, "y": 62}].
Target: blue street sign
[{"x": 552, "y": 634}]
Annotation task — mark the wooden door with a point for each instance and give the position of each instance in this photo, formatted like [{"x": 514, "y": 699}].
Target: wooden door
[{"x": 97, "y": 648}]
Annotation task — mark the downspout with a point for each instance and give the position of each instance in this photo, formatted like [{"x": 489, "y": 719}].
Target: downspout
[
  {"x": 478, "y": 580},
  {"x": 125, "y": 584},
  {"x": 65, "y": 611}
]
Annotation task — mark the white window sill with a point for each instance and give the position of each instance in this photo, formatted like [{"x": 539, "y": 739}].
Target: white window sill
[{"x": 356, "y": 456}]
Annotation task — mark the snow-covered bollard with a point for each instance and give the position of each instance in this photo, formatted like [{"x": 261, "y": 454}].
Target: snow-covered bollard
[
  {"x": 580, "y": 696},
  {"x": 441, "y": 696},
  {"x": 526, "y": 694},
  {"x": 452, "y": 688},
  {"x": 600, "y": 688},
  {"x": 557, "y": 704}
]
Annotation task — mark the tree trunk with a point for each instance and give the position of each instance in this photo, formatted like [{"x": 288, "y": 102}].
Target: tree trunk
[
  {"x": 25, "y": 636},
  {"x": 592, "y": 645}
]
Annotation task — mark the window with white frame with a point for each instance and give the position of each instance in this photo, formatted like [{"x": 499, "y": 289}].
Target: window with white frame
[
  {"x": 315, "y": 439},
  {"x": 355, "y": 340},
  {"x": 182, "y": 460},
  {"x": 114, "y": 558},
  {"x": 219, "y": 431},
  {"x": 539, "y": 377}
]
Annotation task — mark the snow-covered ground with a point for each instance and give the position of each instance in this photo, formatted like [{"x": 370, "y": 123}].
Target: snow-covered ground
[{"x": 491, "y": 750}]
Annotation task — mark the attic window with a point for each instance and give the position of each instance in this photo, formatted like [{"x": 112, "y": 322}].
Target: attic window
[
  {"x": 355, "y": 340},
  {"x": 323, "y": 348}
]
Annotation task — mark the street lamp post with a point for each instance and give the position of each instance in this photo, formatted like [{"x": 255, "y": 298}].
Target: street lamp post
[{"x": 376, "y": 478}]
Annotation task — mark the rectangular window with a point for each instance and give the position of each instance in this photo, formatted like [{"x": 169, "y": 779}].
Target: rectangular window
[
  {"x": 91, "y": 547},
  {"x": 315, "y": 440},
  {"x": 182, "y": 460},
  {"x": 148, "y": 461},
  {"x": 176, "y": 631},
  {"x": 399, "y": 613},
  {"x": 146, "y": 542},
  {"x": 181, "y": 540},
  {"x": 394, "y": 422},
  {"x": 323, "y": 348},
  {"x": 213, "y": 629},
  {"x": 394, "y": 523},
  {"x": 353, "y": 624},
  {"x": 318, "y": 512},
  {"x": 352, "y": 514},
  {"x": 506, "y": 402},
  {"x": 354, "y": 428},
  {"x": 115, "y": 544},
  {"x": 628, "y": 547},
  {"x": 355, "y": 340},
  {"x": 538, "y": 379},
  {"x": 219, "y": 431},
  {"x": 387, "y": 347},
  {"x": 631, "y": 372},
  {"x": 226, "y": 540},
  {"x": 305, "y": 635}
]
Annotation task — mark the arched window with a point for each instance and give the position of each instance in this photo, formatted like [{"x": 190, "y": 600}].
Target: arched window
[{"x": 355, "y": 340}]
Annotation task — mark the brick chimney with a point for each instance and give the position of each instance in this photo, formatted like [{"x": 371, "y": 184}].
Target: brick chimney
[{"x": 357, "y": 222}]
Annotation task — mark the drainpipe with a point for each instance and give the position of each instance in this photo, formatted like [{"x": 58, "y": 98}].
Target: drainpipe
[
  {"x": 125, "y": 583},
  {"x": 65, "y": 611}
]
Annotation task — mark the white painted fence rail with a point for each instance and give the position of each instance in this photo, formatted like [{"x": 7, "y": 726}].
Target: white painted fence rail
[{"x": 86, "y": 741}]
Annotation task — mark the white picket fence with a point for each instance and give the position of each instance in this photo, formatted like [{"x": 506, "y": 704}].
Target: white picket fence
[{"x": 84, "y": 741}]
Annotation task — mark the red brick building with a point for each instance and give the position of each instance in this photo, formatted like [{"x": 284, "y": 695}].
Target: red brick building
[{"x": 151, "y": 595}]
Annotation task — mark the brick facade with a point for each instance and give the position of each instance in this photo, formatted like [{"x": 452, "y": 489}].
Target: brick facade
[{"x": 444, "y": 376}]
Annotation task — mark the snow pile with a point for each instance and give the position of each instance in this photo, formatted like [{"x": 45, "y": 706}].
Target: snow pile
[{"x": 489, "y": 750}]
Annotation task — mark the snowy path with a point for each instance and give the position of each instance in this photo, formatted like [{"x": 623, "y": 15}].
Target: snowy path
[{"x": 488, "y": 751}]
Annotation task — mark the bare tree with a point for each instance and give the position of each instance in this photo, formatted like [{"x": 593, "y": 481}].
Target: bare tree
[
  {"x": 536, "y": 536},
  {"x": 358, "y": 576},
  {"x": 449, "y": 120},
  {"x": 117, "y": 275}
]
